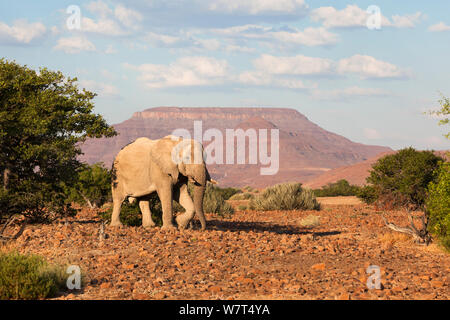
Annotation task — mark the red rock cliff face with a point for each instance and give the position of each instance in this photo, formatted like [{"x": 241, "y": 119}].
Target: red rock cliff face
[{"x": 305, "y": 149}]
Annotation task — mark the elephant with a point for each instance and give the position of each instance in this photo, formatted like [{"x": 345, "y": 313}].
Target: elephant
[{"x": 165, "y": 166}]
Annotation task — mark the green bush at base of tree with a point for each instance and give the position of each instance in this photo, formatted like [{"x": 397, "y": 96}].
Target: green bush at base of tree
[
  {"x": 92, "y": 186},
  {"x": 130, "y": 213}
]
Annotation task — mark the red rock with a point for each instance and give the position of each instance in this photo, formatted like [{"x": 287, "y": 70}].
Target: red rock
[
  {"x": 159, "y": 296},
  {"x": 141, "y": 296},
  {"x": 318, "y": 267},
  {"x": 105, "y": 285},
  {"x": 437, "y": 284},
  {"x": 215, "y": 289},
  {"x": 344, "y": 296}
]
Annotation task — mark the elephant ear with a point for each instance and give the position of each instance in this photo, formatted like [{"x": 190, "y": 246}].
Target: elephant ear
[{"x": 161, "y": 154}]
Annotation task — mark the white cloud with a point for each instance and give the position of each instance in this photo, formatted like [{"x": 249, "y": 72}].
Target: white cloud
[
  {"x": 250, "y": 29},
  {"x": 310, "y": 37},
  {"x": 371, "y": 68},
  {"x": 21, "y": 32},
  {"x": 364, "y": 66},
  {"x": 269, "y": 70},
  {"x": 128, "y": 17},
  {"x": 103, "y": 26},
  {"x": 118, "y": 22},
  {"x": 259, "y": 78},
  {"x": 254, "y": 7},
  {"x": 163, "y": 40},
  {"x": 297, "y": 65},
  {"x": 103, "y": 90},
  {"x": 439, "y": 27},
  {"x": 74, "y": 44},
  {"x": 188, "y": 42},
  {"x": 100, "y": 8},
  {"x": 110, "y": 50},
  {"x": 371, "y": 134},
  {"x": 408, "y": 21},
  {"x": 353, "y": 16},
  {"x": 184, "y": 72}
]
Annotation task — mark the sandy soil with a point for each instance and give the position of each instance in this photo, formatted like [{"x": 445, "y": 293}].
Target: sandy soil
[
  {"x": 253, "y": 255},
  {"x": 339, "y": 200}
]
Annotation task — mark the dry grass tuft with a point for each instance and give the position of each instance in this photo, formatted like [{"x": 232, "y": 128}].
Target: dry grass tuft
[{"x": 392, "y": 238}]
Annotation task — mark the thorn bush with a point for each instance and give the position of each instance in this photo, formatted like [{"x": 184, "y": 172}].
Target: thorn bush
[{"x": 287, "y": 196}]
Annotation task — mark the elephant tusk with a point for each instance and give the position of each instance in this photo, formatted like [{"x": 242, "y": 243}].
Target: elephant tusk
[{"x": 212, "y": 181}]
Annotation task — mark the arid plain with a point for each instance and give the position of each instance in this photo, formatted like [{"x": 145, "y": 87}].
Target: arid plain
[{"x": 252, "y": 255}]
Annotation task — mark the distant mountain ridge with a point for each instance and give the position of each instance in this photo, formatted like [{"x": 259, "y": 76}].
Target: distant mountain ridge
[{"x": 306, "y": 150}]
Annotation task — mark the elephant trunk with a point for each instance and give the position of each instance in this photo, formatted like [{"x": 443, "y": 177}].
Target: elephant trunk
[{"x": 199, "y": 191}]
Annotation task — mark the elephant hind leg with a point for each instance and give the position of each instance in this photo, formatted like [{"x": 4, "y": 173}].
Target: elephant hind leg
[
  {"x": 185, "y": 200},
  {"x": 118, "y": 199},
  {"x": 147, "y": 221}
]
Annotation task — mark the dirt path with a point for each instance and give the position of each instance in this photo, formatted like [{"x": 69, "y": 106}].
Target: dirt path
[{"x": 254, "y": 255}]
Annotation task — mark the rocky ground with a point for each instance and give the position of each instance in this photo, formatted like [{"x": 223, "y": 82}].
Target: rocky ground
[{"x": 253, "y": 255}]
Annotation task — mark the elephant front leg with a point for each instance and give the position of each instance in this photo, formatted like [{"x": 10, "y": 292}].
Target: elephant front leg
[
  {"x": 165, "y": 195},
  {"x": 185, "y": 200},
  {"x": 147, "y": 221}
]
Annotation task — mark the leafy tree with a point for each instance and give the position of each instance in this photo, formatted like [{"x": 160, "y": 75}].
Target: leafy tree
[
  {"x": 443, "y": 112},
  {"x": 438, "y": 205},
  {"x": 401, "y": 179},
  {"x": 92, "y": 186},
  {"x": 44, "y": 117}
]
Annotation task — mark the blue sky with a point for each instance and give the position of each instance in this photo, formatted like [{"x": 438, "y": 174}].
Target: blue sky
[{"x": 319, "y": 57}]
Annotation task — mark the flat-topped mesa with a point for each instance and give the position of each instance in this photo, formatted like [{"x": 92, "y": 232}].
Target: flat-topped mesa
[
  {"x": 218, "y": 113},
  {"x": 305, "y": 149}
]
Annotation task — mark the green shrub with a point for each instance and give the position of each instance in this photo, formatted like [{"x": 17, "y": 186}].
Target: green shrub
[
  {"x": 28, "y": 277},
  {"x": 91, "y": 187},
  {"x": 242, "y": 207},
  {"x": 227, "y": 193},
  {"x": 242, "y": 196},
  {"x": 214, "y": 202},
  {"x": 367, "y": 194},
  {"x": 438, "y": 205},
  {"x": 339, "y": 188},
  {"x": 401, "y": 179},
  {"x": 130, "y": 214},
  {"x": 288, "y": 196},
  {"x": 33, "y": 206}
]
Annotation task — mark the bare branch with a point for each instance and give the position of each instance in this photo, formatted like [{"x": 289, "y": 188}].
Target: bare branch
[
  {"x": 9, "y": 222},
  {"x": 420, "y": 236}
]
